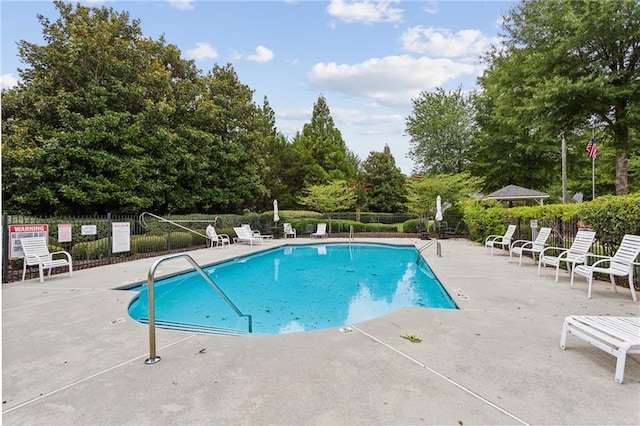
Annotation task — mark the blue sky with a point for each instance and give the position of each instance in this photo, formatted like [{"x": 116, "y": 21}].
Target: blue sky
[{"x": 368, "y": 59}]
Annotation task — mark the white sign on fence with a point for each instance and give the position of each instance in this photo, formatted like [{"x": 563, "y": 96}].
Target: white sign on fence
[
  {"x": 89, "y": 229},
  {"x": 121, "y": 232},
  {"x": 16, "y": 232}
]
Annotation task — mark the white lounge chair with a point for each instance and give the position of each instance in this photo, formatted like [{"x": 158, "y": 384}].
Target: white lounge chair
[
  {"x": 521, "y": 246},
  {"x": 244, "y": 236},
  {"x": 289, "y": 230},
  {"x": 576, "y": 254},
  {"x": 502, "y": 241},
  {"x": 255, "y": 232},
  {"x": 618, "y": 336},
  {"x": 213, "y": 238},
  {"x": 321, "y": 231},
  {"x": 36, "y": 252},
  {"x": 621, "y": 264}
]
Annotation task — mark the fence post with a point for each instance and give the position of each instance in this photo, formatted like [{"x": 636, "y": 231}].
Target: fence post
[
  {"x": 169, "y": 233},
  {"x": 5, "y": 248},
  {"x": 109, "y": 248}
]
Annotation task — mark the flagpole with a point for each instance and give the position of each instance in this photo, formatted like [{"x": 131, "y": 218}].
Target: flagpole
[
  {"x": 593, "y": 168},
  {"x": 593, "y": 178}
]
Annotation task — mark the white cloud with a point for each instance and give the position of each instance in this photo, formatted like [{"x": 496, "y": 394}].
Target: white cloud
[
  {"x": 202, "y": 51},
  {"x": 443, "y": 43},
  {"x": 431, "y": 7},
  {"x": 391, "y": 81},
  {"x": 261, "y": 56},
  {"x": 364, "y": 11},
  {"x": 181, "y": 4},
  {"x": 8, "y": 81}
]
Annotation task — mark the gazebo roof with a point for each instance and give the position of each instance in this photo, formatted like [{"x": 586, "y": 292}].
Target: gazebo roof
[{"x": 516, "y": 193}]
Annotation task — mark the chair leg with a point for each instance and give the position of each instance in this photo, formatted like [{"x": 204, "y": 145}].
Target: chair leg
[
  {"x": 590, "y": 279},
  {"x": 631, "y": 287},
  {"x": 24, "y": 269},
  {"x": 41, "y": 270},
  {"x": 572, "y": 276},
  {"x": 613, "y": 282}
]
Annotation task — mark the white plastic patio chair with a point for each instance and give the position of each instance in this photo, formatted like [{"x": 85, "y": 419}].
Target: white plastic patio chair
[
  {"x": 289, "y": 230},
  {"x": 521, "y": 246},
  {"x": 321, "y": 231},
  {"x": 617, "y": 336},
  {"x": 244, "y": 236},
  {"x": 620, "y": 264},
  {"x": 213, "y": 238},
  {"x": 36, "y": 252},
  {"x": 576, "y": 254},
  {"x": 502, "y": 241}
]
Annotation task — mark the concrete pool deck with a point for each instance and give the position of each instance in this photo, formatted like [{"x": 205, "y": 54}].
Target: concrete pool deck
[{"x": 71, "y": 355}]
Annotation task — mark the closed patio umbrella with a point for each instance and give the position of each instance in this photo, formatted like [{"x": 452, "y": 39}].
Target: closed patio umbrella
[
  {"x": 276, "y": 218},
  {"x": 438, "y": 208}
]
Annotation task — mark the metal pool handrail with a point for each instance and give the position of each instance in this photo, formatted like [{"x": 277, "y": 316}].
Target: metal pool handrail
[
  {"x": 153, "y": 358},
  {"x": 427, "y": 245}
]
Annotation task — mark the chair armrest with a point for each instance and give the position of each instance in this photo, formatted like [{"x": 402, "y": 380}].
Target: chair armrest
[
  {"x": 594, "y": 264},
  {"x": 563, "y": 250},
  {"x": 523, "y": 242},
  {"x": 66, "y": 253}
]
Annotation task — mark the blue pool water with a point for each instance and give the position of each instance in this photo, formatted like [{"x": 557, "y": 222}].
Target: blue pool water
[{"x": 299, "y": 288}]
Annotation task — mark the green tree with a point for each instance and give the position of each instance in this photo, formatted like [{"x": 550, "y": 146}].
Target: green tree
[
  {"x": 384, "y": 183},
  {"x": 512, "y": 146},
  {"x": 330, "y": 198},
  {"x": 579, "y": 61},
  {"x": 324, "y": 152},
  {"x": 423, "y": 191},
  {"x": 441, "y": 127},
  {"x": 90, "y": 113},
  {"x": 106, "y": 119},
  {"x": 237, "y": 131}
]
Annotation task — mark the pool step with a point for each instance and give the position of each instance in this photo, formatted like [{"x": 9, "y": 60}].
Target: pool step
[{"x": 195, "y": 328}]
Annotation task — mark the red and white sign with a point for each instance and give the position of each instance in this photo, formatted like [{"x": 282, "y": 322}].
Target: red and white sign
[
  {"x": 16, "y": 232},
  {"x": 64, "y": 233}
]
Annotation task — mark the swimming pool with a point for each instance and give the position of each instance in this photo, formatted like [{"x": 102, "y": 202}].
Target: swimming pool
[{"x": 298, "y": 288}]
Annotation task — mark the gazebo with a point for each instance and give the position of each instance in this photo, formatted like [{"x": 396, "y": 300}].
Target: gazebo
[{"x": 513, "y": 193}]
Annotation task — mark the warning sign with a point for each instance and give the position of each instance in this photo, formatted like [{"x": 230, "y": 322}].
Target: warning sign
[{"x": 16, "y": 232}]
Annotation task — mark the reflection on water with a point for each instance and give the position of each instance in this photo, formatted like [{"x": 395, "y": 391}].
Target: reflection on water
[
  {"x": 364, "y": 305},
  {"x": 292, "y": 327}
]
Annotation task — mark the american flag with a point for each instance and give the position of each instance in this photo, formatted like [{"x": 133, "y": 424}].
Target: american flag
[{"x": 592, "y": 148}]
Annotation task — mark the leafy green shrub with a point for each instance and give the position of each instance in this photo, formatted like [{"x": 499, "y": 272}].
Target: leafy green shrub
[
  {"x": 612, "y": 217},
  {"x": 380, "y": 227},
  {"x": 484, "y": 218},
  {"x": 410, "y": 226},
  {"x": 91, "y": 250},
  {"x": 148, "y": 244},
  {"x": 181, "y": 239}
]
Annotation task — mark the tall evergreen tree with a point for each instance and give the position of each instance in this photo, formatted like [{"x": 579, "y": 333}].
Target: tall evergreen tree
[
  {"x": 384, "y": 183},
  {"x": 322, "y": 148}
]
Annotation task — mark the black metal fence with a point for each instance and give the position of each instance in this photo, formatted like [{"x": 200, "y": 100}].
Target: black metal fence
[{"x": 90, "y": 239}]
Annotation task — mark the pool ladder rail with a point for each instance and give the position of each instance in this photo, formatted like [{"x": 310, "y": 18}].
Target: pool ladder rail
[
  {"x": 153, "y": 358},
  {"x": 427, "y": 245}
]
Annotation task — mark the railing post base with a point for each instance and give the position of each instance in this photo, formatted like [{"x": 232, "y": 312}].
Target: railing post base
[{"x": 151, "y": 361}]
